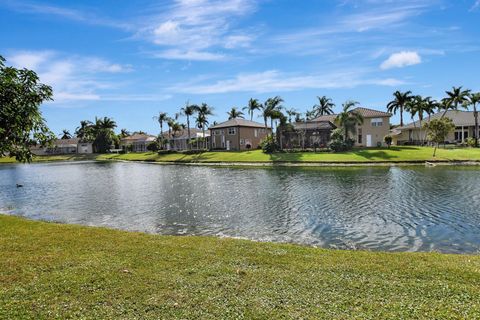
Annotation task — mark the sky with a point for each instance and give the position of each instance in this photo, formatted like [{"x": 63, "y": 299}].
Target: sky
[{"x": 130, "y": 60}]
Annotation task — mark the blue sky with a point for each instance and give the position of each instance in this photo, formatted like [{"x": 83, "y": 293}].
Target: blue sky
[{"x": 131, "y": 59}]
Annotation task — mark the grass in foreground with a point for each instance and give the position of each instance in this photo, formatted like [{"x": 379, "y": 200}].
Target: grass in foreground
[
  {"x": 65, "y": 157},
  {"x": 393, "y": 154},
  {"x": 61, "y": 271}
]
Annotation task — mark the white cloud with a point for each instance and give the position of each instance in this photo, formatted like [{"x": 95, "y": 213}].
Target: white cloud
[
  {"x": 73, "y": 78},
  {"x": 192, "y": 29},
  {"x": 276, "y": 81},
  {"x": 401, "y": 59},
  {"x": 475, "y": 6}
]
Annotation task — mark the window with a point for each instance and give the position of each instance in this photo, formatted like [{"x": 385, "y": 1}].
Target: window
[
  {"x": 377, "y": 122},
  {"x": 255, "y": 133},
  {"x": 242, "y": 142},
  {"x": 359, "y": 135},
  {"x": 231, "y": 131}
]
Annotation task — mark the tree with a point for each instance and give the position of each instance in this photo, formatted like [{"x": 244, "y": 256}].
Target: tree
[
  {"x": 291, "y": 113},
  {"x": 253, "y": 105},
  {"x": 234, "y": 113},
  {"x": 21, "y": 95},
  {"x": 124, "y": 133},
  {"x": 473, "y": 100},
  {"x": 204, "y": 110},
  {"x": 454, "y": 99},
  {"x": 429, "y": 106},
  {"x": 324, "y": 106},
  {"x": 85, "y": 131},
  {"x": 104, "y": 134},
  {"x": 398, "y": 103},
  {"x": 65, "y": 134},
  {"x": 415, "y": 107},
  {"x": 188, "y": 111},
  {"x": 270, "y": 107},
  {"x": 161, "y": 118},
  {"x": 349, "y": 119},
  {"x": 438, "y": 129}
]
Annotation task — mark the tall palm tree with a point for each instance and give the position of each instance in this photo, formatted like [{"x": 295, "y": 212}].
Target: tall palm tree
[
  {"x": 349, "y": 119},
  {"x": 415, "y": 107},
  {"x": 253, "y": 105},
  {"x": 473, "y": 100},
  {"x": 454, "y": 99},
  {"x": 189, "y": 110},
  {"x": 270, "y": 107},
  {"x": 65, "y": 134},
  {"x": 234, "y": 113},
  {"x": 398, "y": 103},
  {"x": 124, "y": 133},
  {"x": 161, "y": 118},
  {"x": 324, "y": 107},
  {"x": 204, "y": 110}
]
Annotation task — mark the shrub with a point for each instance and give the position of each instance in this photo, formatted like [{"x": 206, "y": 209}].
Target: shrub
[
  {"x": 388, "y": 140},
  {"x": 338, "y": 144},
  {"x": 471, "y": 141},
  {"x": 269, "y": 145},
  {"x": 152, "y": 146}
]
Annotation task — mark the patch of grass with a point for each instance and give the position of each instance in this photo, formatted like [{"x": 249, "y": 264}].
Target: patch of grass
[
  {"x": 66, "y": 157},
  {"x": 393, "y": 154},
  {"x": 59, "y": 271}
]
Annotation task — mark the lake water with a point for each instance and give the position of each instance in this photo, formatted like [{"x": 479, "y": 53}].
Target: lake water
[{"x": 375, "y": 208}]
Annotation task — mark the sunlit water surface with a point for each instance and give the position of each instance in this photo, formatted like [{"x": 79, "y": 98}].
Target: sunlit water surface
[{"x": 377, "y": 208}]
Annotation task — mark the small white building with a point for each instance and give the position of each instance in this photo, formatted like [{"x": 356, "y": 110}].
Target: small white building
[
  {"x": 64, "y": 146},
  {"x": 137, "y": 142}
]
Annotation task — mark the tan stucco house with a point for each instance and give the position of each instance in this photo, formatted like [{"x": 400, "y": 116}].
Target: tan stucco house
[
  {"x": 376, "y": 125},
  {"x": 413, "y": 133},
  {"x": 238, "y": 134},
  {"x": 137, "y": 142}
]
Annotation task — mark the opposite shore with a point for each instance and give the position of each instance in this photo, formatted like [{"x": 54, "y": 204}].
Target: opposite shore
[{"x": 394, "y": 156}]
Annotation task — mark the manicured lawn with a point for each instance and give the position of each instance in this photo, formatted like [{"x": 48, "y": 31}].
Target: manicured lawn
[
  {"x": 73, "y": 157},
  {"x": 395, "y": 154},
  {"x": 50, "y": 271}
]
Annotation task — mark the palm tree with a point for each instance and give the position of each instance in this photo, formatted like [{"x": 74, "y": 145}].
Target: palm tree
[
  {"x": 188, "y": 110},
  {"x": 104, "y": 134},
  {"x": 253, "y": 105},
  {"x": 270, "y": 107},
  {"x": 455, "y": 98},
  {"x": 349, "y": 119},
  {"x": 401, "y": 98},
  {"x": 65, "y": 134},
  {"x": 234, "y": 113},
  {"x": 473, "y": 100},
  {"x": 124, "y": 133},
  {"x": 291, "y": 113},
  {"x": 415, "y": 106},
  {"x": 161, "y": 118},
  {"x": 85, "y": 131},
  {"x": 324, "y": 106},
  {"x": 204, "y": 110}
]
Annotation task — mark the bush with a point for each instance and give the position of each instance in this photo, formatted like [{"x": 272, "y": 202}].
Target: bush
[
  {"x": 338, "y": 144},
  {"x": 269, "y": 145},
  {"x": 152, "y": 146},
  {"x": 471, "y": 142}
]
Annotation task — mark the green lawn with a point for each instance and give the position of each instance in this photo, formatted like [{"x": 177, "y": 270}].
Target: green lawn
[
  {"x": 54, "y": 271},
  {"x": 394, "y": 154}
]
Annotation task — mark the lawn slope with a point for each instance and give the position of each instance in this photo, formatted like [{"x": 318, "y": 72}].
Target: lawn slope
[{"x": 58, "y": 271}]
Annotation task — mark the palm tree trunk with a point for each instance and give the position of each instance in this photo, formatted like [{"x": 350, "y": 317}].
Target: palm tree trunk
[
  {"x": 203, "y": 134},
  {"x": 188, "y": 131},
  {"x": 401, "y": 116},
  {"x": 251, "y": 115}
]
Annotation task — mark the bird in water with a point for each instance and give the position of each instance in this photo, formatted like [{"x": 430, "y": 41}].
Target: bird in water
[{"x": 19, "y": 185}]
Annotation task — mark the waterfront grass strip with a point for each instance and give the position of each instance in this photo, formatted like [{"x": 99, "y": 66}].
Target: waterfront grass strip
[{"x": 50, "y": 271}]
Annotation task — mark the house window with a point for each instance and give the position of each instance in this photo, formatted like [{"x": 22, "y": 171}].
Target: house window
[
  {"x": 242, "y": 142},
  {"x": 377, "y": 122},
  {"x": 359, "y": 135},
  {"x": 231, "y": 131},
  {"x": 255, "y": 133}
]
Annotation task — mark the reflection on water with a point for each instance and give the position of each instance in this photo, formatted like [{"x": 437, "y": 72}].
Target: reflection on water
[{"x": 394, "y": 209}]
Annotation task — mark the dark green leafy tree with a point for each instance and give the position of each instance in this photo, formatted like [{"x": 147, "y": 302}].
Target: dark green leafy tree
[
  {"x": 104, "y": 134},
  {"x": 348, "y": 119},
  {"x": 270, "y": 108},
  {"x": 455, "y": 99},
  {"x": 234, "y": 113},
  {"x": 438, "y": 129},
  {"x": 21, "y": 121},
  {"x": 85, "y": 132},
  {"x": 253, "y": 105},
  {"x": 203, "y": 111}
]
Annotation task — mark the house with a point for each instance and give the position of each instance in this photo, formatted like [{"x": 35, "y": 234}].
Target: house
[
  {"x": 137, "y": 142},
  {"x": 413, "y": 133},
  {"x": 64, "y": 146},
  {"x": 238, "y": 134},
  {"x": 316, "y": 132},
  {"x": 178, "y": 140}
]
